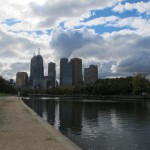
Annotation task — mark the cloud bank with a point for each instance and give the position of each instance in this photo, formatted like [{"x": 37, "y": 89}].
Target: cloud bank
[{"x": 116, "y": 41}]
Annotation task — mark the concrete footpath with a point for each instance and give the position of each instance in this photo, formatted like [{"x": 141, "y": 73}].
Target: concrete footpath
[{"x": 22, "y": 129}]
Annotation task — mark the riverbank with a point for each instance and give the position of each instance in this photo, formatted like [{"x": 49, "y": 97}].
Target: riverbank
[
  {"x": 96, "y": 97},
  {"x": 22, "y": 129}
]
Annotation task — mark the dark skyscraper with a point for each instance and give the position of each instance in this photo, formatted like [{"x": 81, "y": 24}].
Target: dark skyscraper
[
  {"x": 36, "y": 71},
  {"x": 91, "y": 74},
  {"x": 52, "y": 74},
  {"x": 65, "y": 72},
  {"x": 21, "y": 79},
  {"x": 76, "y": 71}
]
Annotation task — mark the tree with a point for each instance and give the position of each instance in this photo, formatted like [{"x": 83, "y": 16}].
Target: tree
[
  {"x": 5, "y": 87},
  {"x": 140, "y": 84}
]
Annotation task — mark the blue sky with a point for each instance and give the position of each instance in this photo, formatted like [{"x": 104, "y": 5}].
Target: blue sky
[{"x": 113, "y": 34}]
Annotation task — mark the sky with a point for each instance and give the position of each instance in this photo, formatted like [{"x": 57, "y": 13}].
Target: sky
[{"x": 112, "y": 34}]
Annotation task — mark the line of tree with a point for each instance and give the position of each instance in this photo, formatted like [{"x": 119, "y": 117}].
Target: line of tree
[
  {"x": 137, "y": 85},
  {"x": 5, "y": 87}
]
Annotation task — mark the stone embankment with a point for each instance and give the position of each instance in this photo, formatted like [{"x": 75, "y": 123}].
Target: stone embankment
[{"x": 23, "y": 129}]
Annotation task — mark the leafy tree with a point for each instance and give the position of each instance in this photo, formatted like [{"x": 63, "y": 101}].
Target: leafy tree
[
  {"x": 5, "y": 87},
  {"x": 115, "y": 86},
  {"x": 140, "y": 84}
]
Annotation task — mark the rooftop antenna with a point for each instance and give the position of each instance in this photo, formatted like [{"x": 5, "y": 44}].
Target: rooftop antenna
[{"x": 38, "y": 51}]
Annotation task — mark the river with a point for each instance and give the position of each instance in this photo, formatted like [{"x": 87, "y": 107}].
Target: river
[{"x": 98, "y": 124}]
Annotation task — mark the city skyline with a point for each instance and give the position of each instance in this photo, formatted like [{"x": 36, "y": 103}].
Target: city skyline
[
  {"x": 112, "y": 34},
  {"x": 71, "y": 74}
]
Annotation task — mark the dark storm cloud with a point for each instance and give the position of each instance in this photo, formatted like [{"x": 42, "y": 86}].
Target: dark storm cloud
[
  {"x": 20, "y": 66},
  {"x": 124, "y": 53},
  {"x": 66, "y": 41},
  {"x": 144, "y": 43},
  {"x": 13, "y": 69},
  {"x": 140, "y": 62},
  {"x": 105, "y": 70}
]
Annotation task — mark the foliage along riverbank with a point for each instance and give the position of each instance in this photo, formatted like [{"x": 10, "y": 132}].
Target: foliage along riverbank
[
  {"x": 124, "y": 87},
  {"x": 5, "y": 88}
]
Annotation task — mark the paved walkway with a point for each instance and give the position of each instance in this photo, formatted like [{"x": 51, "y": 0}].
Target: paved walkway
[{"x": 22, "y": 129}]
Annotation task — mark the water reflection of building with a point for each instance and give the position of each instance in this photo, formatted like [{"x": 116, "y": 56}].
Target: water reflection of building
[
  {"x": 50, "y": 111},
  {"x": 53, "y": 112},
  {"x": 65, "y": 114},
  {"x": 57, "y": 115},
  {"x": 77, "y": 109},
  {"x": 36, "y": 105},
  {"x": 44, "y": 113},
  {"x": 91, "y": 111},
  {"x": 70, "y": 115}
]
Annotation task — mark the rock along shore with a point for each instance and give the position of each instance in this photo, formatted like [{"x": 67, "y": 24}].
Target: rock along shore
[{"x": 22, "y": 129}]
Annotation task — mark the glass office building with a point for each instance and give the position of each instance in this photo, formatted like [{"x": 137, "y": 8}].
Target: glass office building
[
  {"x": 65, "y": 72},
  {"x": 36, "y": 71}
]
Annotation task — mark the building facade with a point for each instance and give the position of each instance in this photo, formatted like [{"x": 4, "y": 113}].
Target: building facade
[
  {"x": 21, "y": 79},
  {"x": 36, "y": 71},
  {"x": 90, "y": 74},
  {"x": 65, "y": 72},
  {"x": 52, "y": 74},
  {"x": 76, "y": 71}
]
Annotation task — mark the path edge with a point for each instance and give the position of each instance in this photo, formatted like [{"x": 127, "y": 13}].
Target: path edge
[{"x": 63, "y": 140}]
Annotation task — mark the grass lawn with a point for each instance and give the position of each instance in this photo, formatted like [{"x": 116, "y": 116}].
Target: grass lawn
[{"x": 4, "y": 94}]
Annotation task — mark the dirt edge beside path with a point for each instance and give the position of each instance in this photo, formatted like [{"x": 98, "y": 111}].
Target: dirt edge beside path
[{"x": 22, "y": 129}]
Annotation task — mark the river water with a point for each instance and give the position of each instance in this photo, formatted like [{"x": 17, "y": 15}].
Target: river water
[{"x": 98, "y": 124}]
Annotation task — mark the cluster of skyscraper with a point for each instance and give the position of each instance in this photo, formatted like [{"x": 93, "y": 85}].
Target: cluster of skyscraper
[
  {"x": 70, "y": 71},
  {"x": 70, "y": 74}
]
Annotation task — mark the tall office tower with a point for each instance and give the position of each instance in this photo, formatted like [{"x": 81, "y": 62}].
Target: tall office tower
[
  {"x": 52, "y": 74},
  {"x": 36, "y": 71},
  {"x": 90, "y": 74},
  {"x": 21, "y": 79},
  {"x": 65, "y": 72},
  {"x": 76, "y": 71}
]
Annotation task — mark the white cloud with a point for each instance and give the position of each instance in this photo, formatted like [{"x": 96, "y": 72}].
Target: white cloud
[
  {"x": 53, "y": 11},
  {"x": 18, "y": 49},
  {"x": 93, "y": 22},
  {"x": 17, "y": 9},
  {"x": 110, "y": 51},
  {"x": 45, "y": 14},
  {"x": 142, "y": 26},
  {"x": 141, "y": 7}
]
